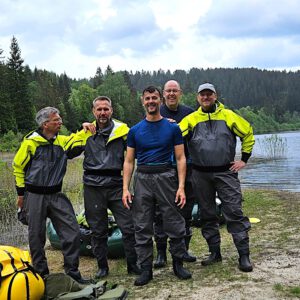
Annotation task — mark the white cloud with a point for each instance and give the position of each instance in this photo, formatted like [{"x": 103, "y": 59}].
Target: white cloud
[{"x": 78, "y": 36}]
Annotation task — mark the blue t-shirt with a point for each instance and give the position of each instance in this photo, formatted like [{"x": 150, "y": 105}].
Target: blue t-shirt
[{"x": 154, "y": 141}]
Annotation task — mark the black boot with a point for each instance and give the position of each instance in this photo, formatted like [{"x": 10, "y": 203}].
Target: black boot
[
  {"x": 145, "y": 277},
  {"x": 132, "y": 267},
  {"x": 77, "y": 277},
  {"x": 179, "y": 270},
  {"x": 214, "y": 257},
  {"x": 101, "y": 273},
  {"x": 161, "y": 259},
  {"x": 187, "y": 256},
  {"x": 103, "y": 270},
  {"x": 244, "y": 263}
]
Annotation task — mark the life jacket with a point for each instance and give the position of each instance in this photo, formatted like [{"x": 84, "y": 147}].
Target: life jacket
[{"x": 18, "y": 280}]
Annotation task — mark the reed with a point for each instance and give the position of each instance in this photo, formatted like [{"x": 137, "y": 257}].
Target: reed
[{"x": 273, "y": 147}]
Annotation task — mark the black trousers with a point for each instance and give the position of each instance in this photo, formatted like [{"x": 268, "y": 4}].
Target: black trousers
[
  {"x": 59, "y": 209},
  {"x": 96, "y": 202},
  {"x": 228, "y": 187},
  {"x": 150, "y": 189},
  {"x": 159, "y": 235}
]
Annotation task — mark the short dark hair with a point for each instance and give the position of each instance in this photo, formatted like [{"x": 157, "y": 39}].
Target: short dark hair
[{"x": 152, "y": 89}]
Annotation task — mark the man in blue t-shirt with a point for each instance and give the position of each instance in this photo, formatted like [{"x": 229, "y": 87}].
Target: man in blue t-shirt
[
  {"x": 153, "y": 142},
  {"x": 172, "y": 109}
]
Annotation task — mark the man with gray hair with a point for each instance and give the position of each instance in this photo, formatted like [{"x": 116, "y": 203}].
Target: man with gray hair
[{"x": 39, "y": 167}]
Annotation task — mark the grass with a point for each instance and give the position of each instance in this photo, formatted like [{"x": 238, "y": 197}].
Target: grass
[{"x": 275, "y": 236}]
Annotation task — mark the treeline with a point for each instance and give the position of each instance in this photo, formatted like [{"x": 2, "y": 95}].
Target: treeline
[{"x": 270, "y": 100}]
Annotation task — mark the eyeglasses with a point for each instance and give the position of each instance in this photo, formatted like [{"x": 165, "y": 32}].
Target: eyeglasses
[
  {"x": 58, "y": 120},
  {"x": 172, "y": 91}
]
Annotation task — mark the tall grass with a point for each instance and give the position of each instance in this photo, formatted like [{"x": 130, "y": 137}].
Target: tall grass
[
  {"x": 273, "y": 147},
  {"x": 12, "y": 231}
]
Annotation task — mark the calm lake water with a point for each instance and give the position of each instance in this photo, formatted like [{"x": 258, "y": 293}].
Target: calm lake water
[{"x": 279, "y": 174}]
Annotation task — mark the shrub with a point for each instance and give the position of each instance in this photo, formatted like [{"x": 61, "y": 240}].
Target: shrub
[{"x": 10, "y": 141}]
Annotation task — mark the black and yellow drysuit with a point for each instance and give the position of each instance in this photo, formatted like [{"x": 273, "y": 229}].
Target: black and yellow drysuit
[
  {"x": 212, "y": 147},
  {"x": 103, "y": 187},
  {"x": 39, "y": 167}
]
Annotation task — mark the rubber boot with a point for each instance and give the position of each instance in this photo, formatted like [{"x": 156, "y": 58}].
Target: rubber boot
[
  {"x": 214, "y": 257},
  {"x": 161, "y": 259},
  {"x": 179, "y": 270},
  {"x": 77, "y": 277},
  {"x": 145, "y": 276},
  {"x": 132, "y": 267},
  {"x": 187, "y": 256},
  {"x": 103, "y": 270},
  {"x": 244, "y": 263}
]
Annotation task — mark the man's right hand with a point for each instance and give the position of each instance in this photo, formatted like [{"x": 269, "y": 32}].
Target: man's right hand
[
  {"x": 127, "y": 199},
  {"x": 20, "y": 200}
]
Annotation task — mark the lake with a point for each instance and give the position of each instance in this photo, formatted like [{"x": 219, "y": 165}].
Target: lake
[{"x": 279, "y": 174}]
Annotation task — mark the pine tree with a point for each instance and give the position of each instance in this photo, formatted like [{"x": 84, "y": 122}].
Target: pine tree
[
  {"x": 98, "y": 78},
  {"x": 18, "y": 89},
  {"x": 7, "y": 120}
]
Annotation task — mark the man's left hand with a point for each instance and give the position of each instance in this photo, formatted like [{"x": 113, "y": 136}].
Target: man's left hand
[{"x": 180, "y": 198}]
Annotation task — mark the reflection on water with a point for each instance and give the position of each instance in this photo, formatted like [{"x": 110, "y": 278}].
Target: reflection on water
[{"x": 280, "y": 174}]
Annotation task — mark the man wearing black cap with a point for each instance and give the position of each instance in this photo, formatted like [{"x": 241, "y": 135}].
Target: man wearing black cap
[{"x": 213, "y": 130}]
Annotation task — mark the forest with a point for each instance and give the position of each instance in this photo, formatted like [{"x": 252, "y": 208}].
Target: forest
[{"x": 269, "y": 100}]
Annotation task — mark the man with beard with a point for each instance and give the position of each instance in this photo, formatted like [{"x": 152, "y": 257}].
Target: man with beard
[
  {"x": 173, "y": 110},
  {"x": 212, "y": 145},
  {"x": 102, "y": 179},
  {"x": 153, "y": 141}
]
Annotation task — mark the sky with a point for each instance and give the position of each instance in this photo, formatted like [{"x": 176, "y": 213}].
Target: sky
[{"x": 78, "y": 36}]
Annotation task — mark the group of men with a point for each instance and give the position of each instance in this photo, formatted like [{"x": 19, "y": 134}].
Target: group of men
[{"x": 176, "y": 166}]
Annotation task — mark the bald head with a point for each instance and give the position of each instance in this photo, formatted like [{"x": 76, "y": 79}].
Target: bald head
[{"x": 172, "y": 94}]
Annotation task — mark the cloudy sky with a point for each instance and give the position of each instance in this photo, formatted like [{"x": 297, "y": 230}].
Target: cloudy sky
[{"x": 77, "y": 36}]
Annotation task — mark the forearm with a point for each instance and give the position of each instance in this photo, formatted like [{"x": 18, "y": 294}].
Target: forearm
[
  {"x": 181, "y": 169},
  {"x": 127, "y": 173}
]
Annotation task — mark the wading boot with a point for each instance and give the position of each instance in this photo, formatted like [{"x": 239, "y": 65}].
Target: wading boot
[
  {"x": 179, "y": 270},
  {"x": 161, "y": 259},
  {"x": 101, "y": 273},
  {"x": 187, "y": 257},
  {"x": 103, "y": 270},
  {"x": 77, "y": 277},
  {"x": 132, "y": 267},
  {"x": 244, "y": 263},
  {"x": 145, "y": 276},
  {"x": 214, "y": 257}
]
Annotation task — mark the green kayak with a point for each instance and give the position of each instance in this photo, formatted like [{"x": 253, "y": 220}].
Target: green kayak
[
  {"x": 115, "y": 243},
  {"x": 196, "y": 216}
]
